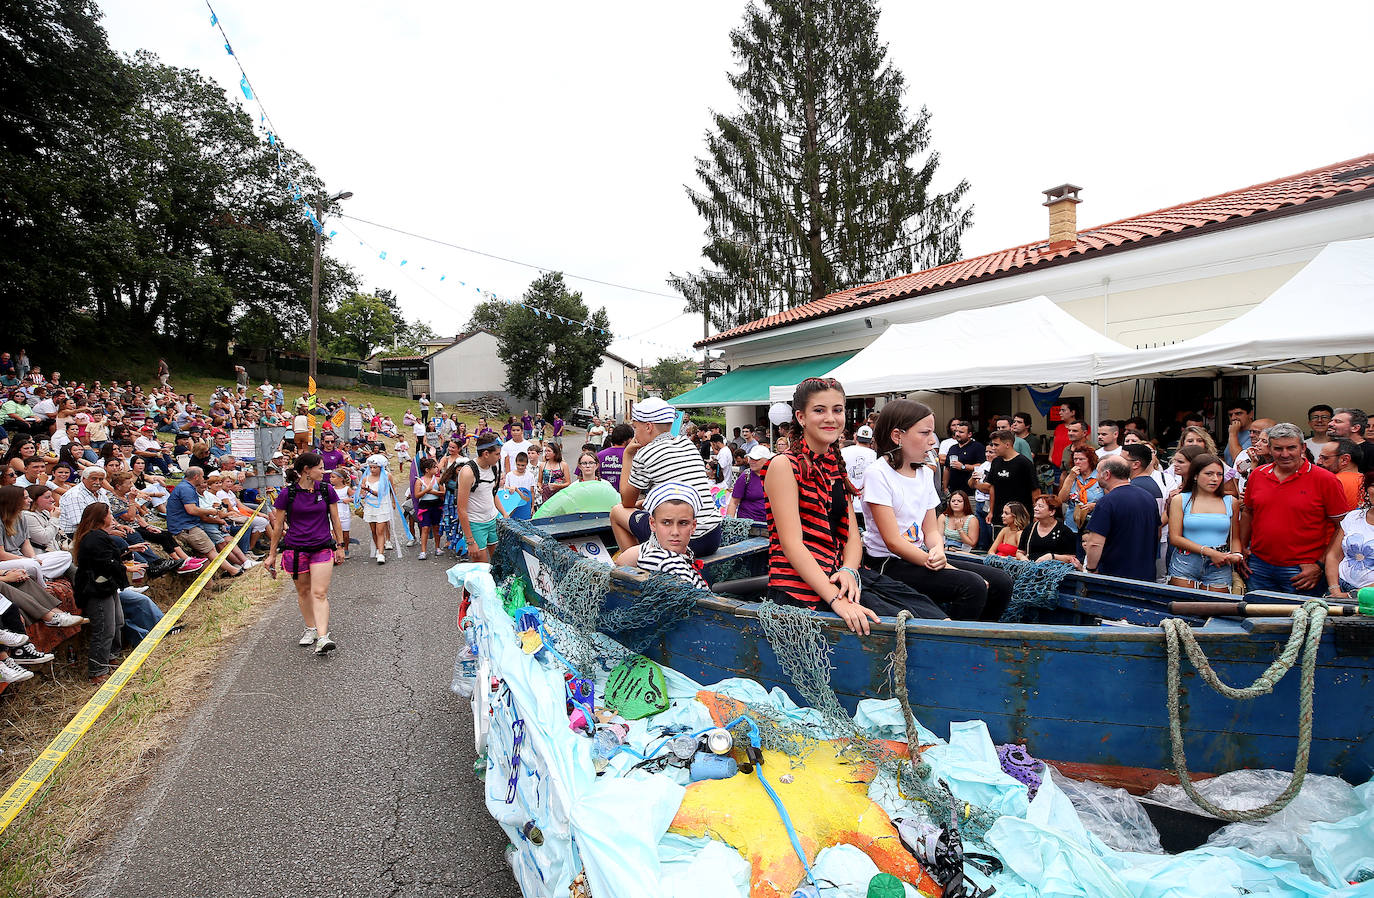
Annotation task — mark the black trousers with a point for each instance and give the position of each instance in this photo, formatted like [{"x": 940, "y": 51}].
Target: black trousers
[
  {"x": 961, "y": 594},
  {"x": 999, "y": 586},
  {"x": 884, "y": 595}
]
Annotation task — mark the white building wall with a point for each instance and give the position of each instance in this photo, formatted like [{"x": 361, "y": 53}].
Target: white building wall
[
  {"x": 470, "y": 369},
  {"x": 606, "y": 392}
]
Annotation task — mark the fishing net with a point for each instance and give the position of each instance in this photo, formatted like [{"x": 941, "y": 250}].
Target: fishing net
[
  {"x": 798, "y": 640},
  {"x": 588, "y": 630},
  {"x": 1035, "y": 586}
]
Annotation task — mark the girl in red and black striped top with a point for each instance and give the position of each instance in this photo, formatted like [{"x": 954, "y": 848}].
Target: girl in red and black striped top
[{"x": 814, "y": 549}]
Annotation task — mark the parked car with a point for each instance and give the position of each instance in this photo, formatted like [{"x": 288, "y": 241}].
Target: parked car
[{"x": 580, "y": 417}]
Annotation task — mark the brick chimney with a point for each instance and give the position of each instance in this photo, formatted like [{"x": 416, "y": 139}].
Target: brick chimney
[{"x": 1061, "y": 202}]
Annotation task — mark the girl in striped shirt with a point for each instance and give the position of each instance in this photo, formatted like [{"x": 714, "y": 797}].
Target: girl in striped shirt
[{"x": 815, "y": 551}]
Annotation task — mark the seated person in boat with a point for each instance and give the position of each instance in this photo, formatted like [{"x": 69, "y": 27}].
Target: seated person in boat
[
  {"x": 657, "y": 456},
  {"x": 902, "y": 537},
  {"x": 672, "y": 510},
  {"x": 814, "y": 546}
]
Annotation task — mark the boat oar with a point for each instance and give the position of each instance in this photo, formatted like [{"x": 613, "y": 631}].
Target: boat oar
[{"x": 1255, "y": 609}]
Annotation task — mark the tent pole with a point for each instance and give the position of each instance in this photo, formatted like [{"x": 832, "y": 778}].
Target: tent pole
[{"x": 1092, "y": 408}]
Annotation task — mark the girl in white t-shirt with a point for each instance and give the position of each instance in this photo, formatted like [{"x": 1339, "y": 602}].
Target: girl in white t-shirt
[
  {"x": 902, "y": 538},
  {"x": 343, "y": 488}
]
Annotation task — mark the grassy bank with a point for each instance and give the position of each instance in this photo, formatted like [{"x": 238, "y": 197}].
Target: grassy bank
[{"x": 51, "y": 848}]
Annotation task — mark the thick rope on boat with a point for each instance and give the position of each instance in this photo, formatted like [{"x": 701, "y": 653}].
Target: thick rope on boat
[
  {"x": 899, "y": 682},
  {"x": 1035, "y": 585},
  {"x": 1306, "y": 635}
]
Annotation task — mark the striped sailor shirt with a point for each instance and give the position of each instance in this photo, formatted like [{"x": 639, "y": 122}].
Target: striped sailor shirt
[
  {"x": 668, "y": 458},
  {"x": 653, "y": 557}
]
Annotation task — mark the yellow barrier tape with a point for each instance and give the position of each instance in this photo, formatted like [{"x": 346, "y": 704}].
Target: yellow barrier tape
[{"x": 18, "y": 795}]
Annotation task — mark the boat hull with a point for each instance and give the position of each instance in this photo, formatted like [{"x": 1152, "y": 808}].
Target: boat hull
[{"x": 1090, "y": 698}]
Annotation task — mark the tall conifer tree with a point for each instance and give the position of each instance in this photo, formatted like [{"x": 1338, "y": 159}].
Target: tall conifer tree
[{"x": 821, "y": 180}]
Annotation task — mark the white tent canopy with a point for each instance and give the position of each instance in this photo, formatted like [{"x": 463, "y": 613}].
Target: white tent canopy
[
  {"x": 1320, "y": 321},
  {"x": 1028, "y": 342}
]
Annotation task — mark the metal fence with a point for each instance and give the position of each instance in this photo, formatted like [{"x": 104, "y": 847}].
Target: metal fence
[{"x": 378, "y": 379}]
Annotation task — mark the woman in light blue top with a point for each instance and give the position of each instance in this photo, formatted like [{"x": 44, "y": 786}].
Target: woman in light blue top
[{"x": 1201, "y": 521}]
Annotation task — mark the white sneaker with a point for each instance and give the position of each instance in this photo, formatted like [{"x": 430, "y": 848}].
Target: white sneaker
[
  {"x": 410, "y": 542},
  {"x": 438, "y": 552},
  {"x": 422, "y": 556},
  {"x": 250, "y": 564},
  {"x": 309, "y": 637},
  {"x": 13, "y": 673},
  {"x": 389, "y": 545},
  {"x": 381, "y": 558},
  {"x": 61, "y": 619},
  {"x": 142, "y": 589},
  {"x": 11, "y": 639},
  {"x": 324, "y": 645}
]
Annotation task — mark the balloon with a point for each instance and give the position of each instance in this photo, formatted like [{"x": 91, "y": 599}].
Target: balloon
[{"x": 593, "y": 496}]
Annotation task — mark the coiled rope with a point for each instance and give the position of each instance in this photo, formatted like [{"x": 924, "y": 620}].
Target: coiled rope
[{"x": 1308, "y": 620}]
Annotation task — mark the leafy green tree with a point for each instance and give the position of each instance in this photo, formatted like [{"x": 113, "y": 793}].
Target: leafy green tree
[
  {"x": 670, "y": 377},
  {"x": 817, "y": 182},
  {"x": 359, "y": 323},
  {"x": 550, "y": 356},
  {"x": 488, "y": 315}
]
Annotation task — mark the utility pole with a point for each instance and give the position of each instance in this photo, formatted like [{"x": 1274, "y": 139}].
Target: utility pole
[{"x": 320, "y": 208}]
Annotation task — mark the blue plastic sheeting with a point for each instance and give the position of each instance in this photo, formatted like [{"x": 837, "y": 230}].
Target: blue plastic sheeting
[{"x": 615, "y": 826}]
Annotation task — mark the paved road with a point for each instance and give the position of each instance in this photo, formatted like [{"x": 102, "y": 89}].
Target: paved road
[{"x": 347, "y": 775}]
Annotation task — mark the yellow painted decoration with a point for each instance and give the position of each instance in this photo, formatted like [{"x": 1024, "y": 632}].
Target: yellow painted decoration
[
  {"x": 828, "y": 803},
  {"x": 339, "y": 417}
]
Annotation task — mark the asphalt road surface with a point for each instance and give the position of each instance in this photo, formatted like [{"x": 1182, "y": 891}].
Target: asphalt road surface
[{"x": 344, "y": 775}]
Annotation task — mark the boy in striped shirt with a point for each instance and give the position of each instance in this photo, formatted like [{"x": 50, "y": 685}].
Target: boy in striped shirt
[
  {"x": 655, "y": 456},
  {"x": 672, "y": 509}
]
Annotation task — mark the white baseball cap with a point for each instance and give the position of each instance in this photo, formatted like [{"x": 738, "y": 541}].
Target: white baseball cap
[
  {"x": 864, "y": 433},
  {"x": 760, "y": 453}
]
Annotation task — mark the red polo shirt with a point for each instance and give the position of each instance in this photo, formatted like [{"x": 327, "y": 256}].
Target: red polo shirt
[{"x": 1291, "y": 520}]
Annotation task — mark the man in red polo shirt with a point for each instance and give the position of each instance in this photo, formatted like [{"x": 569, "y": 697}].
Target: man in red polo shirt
[{"x": 1287, "y": 519}]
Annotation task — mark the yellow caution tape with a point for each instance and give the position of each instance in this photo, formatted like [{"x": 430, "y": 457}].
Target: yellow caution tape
[{"x": 18, "y": 795}]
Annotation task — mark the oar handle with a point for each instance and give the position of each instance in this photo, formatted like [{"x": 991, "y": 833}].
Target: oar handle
[{"x": 1249, "y": 609}]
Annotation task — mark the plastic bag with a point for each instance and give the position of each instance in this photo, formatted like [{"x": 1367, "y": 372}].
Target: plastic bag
[
  {"x": 1326, "y": 799},
  {"x": 1344, "y": 852},
  {"x": 1113, "y": 815}
]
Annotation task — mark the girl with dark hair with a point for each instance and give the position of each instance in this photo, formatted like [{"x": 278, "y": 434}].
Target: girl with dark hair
[
  {"x": 1350, "y": 557},
  {"x": 306, "y": 523},
  {"x": 554, "y": 473},
  {"x": 902, "y": 537},
  {"x": 428, "y": 493},
  {"x": 958, "y": 523},
  {"x": 1201, "y": 521},
  {"x": 814, "y": 547},
  {"x": 101, "y": 572}
]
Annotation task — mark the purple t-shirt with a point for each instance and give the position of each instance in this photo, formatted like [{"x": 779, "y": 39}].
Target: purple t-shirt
[
  {"x": 307, "y": 520},
  {"x": 332, "y": 458},
  {"x": 749, "y": 491},
  {"x": 612, "y": 462},
  {"x": 528, "y": 423}
]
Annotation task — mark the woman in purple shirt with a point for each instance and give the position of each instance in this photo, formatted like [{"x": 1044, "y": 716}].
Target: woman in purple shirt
[
  {"x": 306, "y": 522},
  {"x": 747, "y": 498}
]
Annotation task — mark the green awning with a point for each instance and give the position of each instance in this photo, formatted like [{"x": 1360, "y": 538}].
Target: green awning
[{"x": 749, "y": 385}]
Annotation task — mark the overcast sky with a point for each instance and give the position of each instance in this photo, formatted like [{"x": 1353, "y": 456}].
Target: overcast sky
[{"x": 562, "y": 134}]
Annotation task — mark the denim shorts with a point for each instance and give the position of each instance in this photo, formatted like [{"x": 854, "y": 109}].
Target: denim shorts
[
  {"x": 215, "y": 532},
  {"x": 1187, "y": 565}
]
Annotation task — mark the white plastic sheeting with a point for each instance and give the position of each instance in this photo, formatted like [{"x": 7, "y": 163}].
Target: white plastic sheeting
[
  {"x": 1317, "y": 322},
  {"x": 615, "y": 826},
  {"x": 1028, "y": 342}
]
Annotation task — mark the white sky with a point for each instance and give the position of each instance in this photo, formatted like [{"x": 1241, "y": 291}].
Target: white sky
[{"x": 562, "y": 134}]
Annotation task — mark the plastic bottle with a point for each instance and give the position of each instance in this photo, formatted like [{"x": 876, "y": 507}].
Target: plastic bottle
[
  {"x": 479, "y": 767},
  {"x": 464, "y": 682},
  {"x": 607, "y": 745},
  {"x": 533, "y": 833}
]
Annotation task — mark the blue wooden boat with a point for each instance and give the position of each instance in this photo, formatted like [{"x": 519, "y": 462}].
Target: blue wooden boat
[{"x": 1089, "y": 698}]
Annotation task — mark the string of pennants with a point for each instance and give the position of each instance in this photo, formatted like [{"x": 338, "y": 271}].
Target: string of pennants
[{"x": 267, "y": 129}]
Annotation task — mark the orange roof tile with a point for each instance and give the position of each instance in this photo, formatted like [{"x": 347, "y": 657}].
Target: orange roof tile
[{"x": 1329, "y": 185}]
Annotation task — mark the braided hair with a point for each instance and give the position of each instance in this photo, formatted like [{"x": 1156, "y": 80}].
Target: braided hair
[{"x": 797, "y": 450}]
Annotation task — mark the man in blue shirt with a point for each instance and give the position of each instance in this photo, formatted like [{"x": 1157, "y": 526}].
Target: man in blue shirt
[
  {"x": 1241, "y": 414},
  {"x": 1122, "y": 537}
]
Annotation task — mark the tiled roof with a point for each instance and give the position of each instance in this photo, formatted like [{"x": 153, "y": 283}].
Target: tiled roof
[
  {"x": 402, "y": 358},
  {"x": 1331, "y": 184}
]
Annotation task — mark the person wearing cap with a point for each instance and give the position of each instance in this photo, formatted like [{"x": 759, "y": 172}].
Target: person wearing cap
[
  {"x": 672, "y": 509},
  {"x": 859, "y": 456},
  {"x": 655, "y": 456},
  {"x": 747, "y": 499}
]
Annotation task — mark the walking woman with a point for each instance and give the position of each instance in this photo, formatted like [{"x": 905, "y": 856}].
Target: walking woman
[
  {"x": 814, "y": 547},
  {"x": 306, "y": 523},
  {"x": 101, "y": 573},
  {"x": 1201, "y": 520},
  {"x": 903, "y": 538},
  {"x": 428, "y": 495}
]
